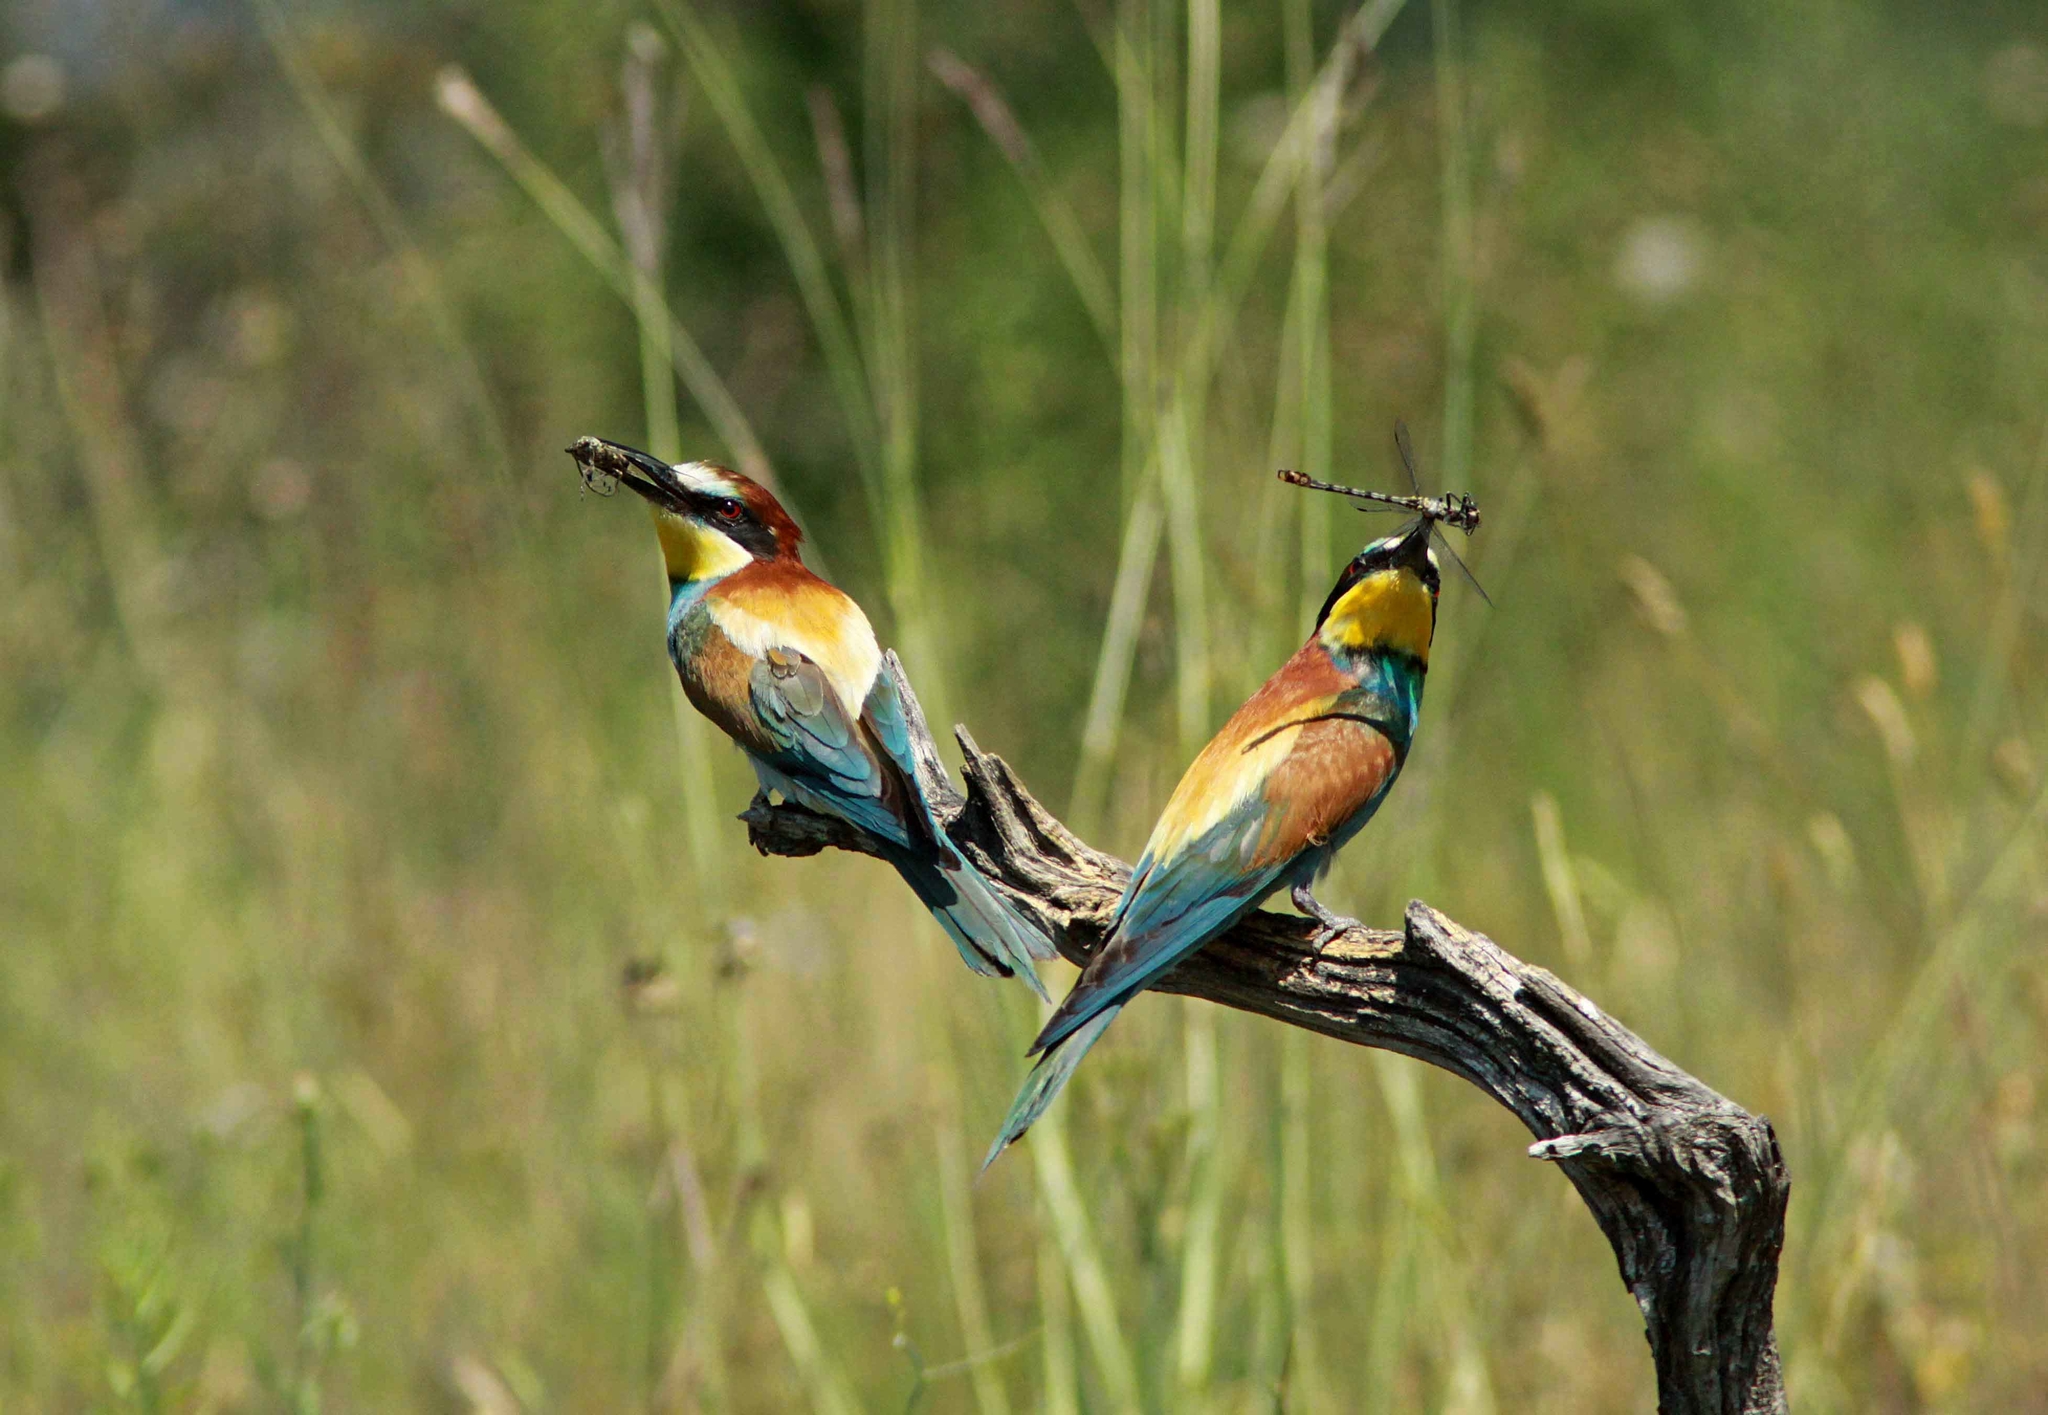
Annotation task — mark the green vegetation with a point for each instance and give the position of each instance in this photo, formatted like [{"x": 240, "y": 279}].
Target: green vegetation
[{"x": 391, "y": 1015}]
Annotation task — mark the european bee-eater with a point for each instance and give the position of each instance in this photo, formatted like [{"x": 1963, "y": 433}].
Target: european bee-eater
[
  {"x": 789, "y": 668},
  {"x": 1294, "y": 774}
]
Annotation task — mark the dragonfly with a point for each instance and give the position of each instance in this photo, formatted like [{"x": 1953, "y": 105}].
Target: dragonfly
[{"x": 1453, "y": 508}]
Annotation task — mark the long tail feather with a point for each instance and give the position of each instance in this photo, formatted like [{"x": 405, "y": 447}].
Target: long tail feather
[
  {"x": 993, "y": 938},
  {"x": 1018, "y": 939},
  {"x": 992, "y": 934},
  {"x": 1046, "y": 1080}
]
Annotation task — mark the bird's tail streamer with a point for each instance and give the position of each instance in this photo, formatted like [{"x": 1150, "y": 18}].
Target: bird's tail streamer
[
  {"x": 992, "y": 936},
  {"x": 1047, "y": 1078}
]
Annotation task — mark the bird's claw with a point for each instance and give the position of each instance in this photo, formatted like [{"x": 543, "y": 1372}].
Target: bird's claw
[
  {"x": 1328, "y": 929},
  {"x": 1328, "y": 925}
]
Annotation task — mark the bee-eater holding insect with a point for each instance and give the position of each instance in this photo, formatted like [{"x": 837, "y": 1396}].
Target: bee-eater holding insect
[
  {"x": 1294, "y": 774},
  {"x": 789, "y": 668}
]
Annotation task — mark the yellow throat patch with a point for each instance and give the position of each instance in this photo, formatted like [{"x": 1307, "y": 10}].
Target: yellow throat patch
[
  {"x": 694, "y": 551},
  {"x": 1389, "y": 609}
]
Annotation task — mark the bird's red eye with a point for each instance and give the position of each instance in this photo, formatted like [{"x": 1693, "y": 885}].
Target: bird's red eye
[{"x": 729, "y": 510}]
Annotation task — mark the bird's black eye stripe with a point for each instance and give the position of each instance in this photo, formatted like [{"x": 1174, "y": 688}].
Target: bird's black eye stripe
[{"x": 733, "y": 518}]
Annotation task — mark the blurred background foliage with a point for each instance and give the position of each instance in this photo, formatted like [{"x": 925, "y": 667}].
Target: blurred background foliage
[{"x": 391, "y": 1015}]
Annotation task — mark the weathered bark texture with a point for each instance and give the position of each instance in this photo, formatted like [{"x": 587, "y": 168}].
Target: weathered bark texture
[{"x": 1689, "y": 1188}]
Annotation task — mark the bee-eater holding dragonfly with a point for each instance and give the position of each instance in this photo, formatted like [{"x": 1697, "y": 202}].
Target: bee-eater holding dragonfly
[
  {"x": 1289, "y": 780},
  {"x": 789, "y": 668}
]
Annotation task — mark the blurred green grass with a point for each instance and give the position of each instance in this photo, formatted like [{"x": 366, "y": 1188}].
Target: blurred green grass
[{"x": 367, "y": 1037}]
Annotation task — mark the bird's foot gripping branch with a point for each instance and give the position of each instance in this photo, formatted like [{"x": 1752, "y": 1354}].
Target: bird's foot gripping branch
[{"x": 1689, "y": 1188}]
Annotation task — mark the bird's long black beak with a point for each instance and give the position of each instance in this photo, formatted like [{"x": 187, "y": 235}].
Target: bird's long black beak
[
  {"x": 1413, "y": 551},
  {"x": 647, "y": 475}
]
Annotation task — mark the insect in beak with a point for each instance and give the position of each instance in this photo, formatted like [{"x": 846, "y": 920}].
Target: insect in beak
[
  {"x": 1432, "y": 512},
  {"x": 603, "y": 465}
]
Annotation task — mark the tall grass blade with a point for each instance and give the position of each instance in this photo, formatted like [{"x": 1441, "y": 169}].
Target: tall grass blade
[
  {"x": 963, "y": 1265},
  {"x": 1060, "y": 1364},
  {"x": 1266, "y": 1343},
  {"x": 1137, "y": 362},
  {"x": 889, "y": 328},
  {"x": 1104, "y": 722},
  {"x": 310, "y": 1351},
  {"x": 1200, "y": 145},
  {"x": 1310, "y": 354},
  {"x": 702, "y": 819},
  {"x": 956, "y": 1217},
  {"x": 1137, "y": 242},
  {"x": 1468, "y": 1385},
  {"x": 1311, "y": 113},
  {"x": 842, "y": 194},
  {"x": 1311, "y": 308},
  {"x": 697, "y": 1372},
  {"x": 1400, "y": 1275},
  {"x": 1290, "y": 570},
  {"x": 822, "y": 1382},
  {"x": 638, "y": 166},
  {"x": 1560, "y": 880},
  {"x": 1297, "y": 1223},
  {"x": 714, "y": 72},
  {"x": 1086, "y": 1266},
  {"x": 1062, "y": 226},
  {"x": 419, "y": 271},
  {"x": 1183, "y": 433},
  {"x": 1314, "y": 553},
  {"x": 1454, "y": 145},
  {"x": 1179, "y": 478},
  {"x": 1968, "y": 948},
  {"x": 639, "y": 176},
  {"x": 1386, "y": 1330},
  {"x": 460, "y": 98},
  {"x": 1195, "y": 1324},
  {"x": 1209, "y": 314},
  {"x": 85, "y": 372},
  {"x": 868, "y": 350}
]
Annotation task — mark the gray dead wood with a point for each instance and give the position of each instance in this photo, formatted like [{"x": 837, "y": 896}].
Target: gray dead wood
[{"x": 1689, "y": 1188}]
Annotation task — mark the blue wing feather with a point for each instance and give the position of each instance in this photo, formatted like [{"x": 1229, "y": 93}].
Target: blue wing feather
[
  {"x": 986, "y": 929},
  {"x": 892, "y": 729},
  {"x": 827, "y": 763},
  {"x": 822, "y": 755},
  {"x": 1171, "y": 909}
]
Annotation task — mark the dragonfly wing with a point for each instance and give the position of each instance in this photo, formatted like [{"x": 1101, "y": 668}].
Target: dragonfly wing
[
  {"x": 1444, "y": 544},
  {"x": 1407, "y": 450}
]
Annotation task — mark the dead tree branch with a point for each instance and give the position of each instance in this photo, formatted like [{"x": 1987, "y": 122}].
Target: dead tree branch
[{"x": 1689, "y": 1188}]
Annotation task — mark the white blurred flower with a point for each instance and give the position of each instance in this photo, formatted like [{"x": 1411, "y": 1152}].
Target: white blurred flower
[
  {"x": 31, "y": 88},
  {"x": 1661, "y": 259}
]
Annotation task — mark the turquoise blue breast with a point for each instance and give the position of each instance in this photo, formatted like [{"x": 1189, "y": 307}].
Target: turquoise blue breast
[
  {"x": 689, "y": 619},
  {"x": 1388, "y": 691}
]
